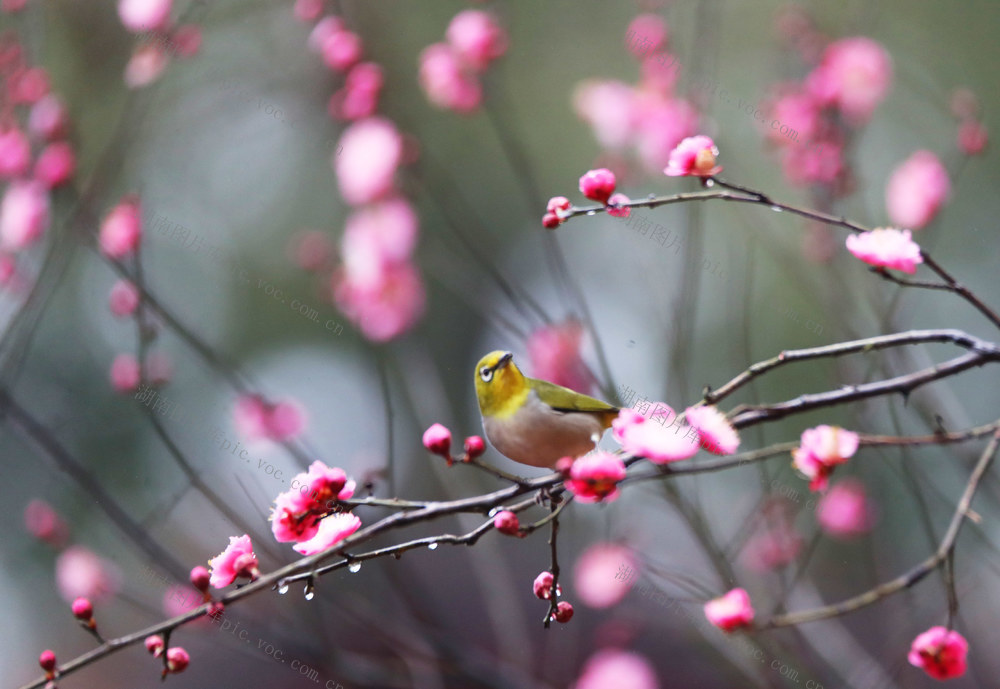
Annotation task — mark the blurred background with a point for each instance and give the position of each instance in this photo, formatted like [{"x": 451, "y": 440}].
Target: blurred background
[{"x": 249, "y": 142}]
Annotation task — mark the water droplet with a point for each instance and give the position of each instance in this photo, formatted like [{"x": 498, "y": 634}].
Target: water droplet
[
  {"x": 283, "y": 588},
  {"x": 354, "y": 567},
  {"x": 432, "y": 546},
  {"x": 776, "y": 209},
  {"x": 308, "y": 592},
  {"x": 709, "y": 183},
  {"x": 493, "y": 512},
  {"x": 591, "y": 212}
]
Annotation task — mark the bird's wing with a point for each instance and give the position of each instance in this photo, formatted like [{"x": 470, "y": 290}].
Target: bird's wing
[{"x": 564, "y": 399}]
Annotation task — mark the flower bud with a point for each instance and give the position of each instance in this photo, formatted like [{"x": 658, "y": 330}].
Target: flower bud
[
  {"x": 598, "y": 185},
  {"x": 506, "y": 522},
  {"x": 550, "y": 221},
  {"x": 474, "y": 447},
  {"x": 437, "y": 439},
  {"x": 177, "y": 659},
  {"x": 154, "y": 644},
  {"x": 563, "y": 613},
  {"x": 83, "y": 610},
  {"x": 200, "y": 578},
  {"x": 543, "y": 586},
  {"x": 557, "y": 203},
  {"x": 47, "y": 660}
]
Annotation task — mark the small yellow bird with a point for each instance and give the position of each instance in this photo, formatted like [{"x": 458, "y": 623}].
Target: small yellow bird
[{"x": 533, "y": 421}]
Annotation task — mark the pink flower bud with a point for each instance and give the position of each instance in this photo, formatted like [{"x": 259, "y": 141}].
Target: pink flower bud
[
  {"x": 200, "y": 578},
  {"x": 144, "y": 15},
  {"x": 598, "y": 185},
  {"x": 24, "y": 214},
  {"x": 55, "y": 165},
  {"x": 28, "y": 86},
  {"x": 563, "y": 613},
  {"x": 437, "y": 439},
  {"x": 542, "y": 586},
  {"x": 474, "y": 446},
  {"x": 940, "y": 652},
  {"x": 154, "y": 644},
  {"x": 123, "y": 299},
  {"x": 48, "y": 119},
  {"x": 550, "y": 221},
  {"x": 122, "y": 228},
  {"x": 506, "y": 522},
  {"x": 15, "y": 153},
  {"x": 477, "y": 38},
  {"x": 83, "y": 609},
  {"x": 125, "y": 373},
  {"x": 341, "y": 50},
  {"x": 972, "y": 137},
  {"x": 177, "y": 659},
  {"x": 48, "y": 662},
  {"x": 187, "y": 40},
  {"x": 558, "y": 203},
  {"x": 619, "y": 200},
  {"x": 731, "y": 611}
]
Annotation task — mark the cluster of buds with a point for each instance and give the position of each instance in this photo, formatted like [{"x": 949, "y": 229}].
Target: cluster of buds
[
  {"x": 597, "y": 185},
  {"x": 543, "y": 589},
  {"x": 437, "y": 439},
  {"x": 177, "y": 659}
]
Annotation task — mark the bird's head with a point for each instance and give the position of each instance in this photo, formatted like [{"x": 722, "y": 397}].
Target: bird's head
[{"x": 500, "y": 386}]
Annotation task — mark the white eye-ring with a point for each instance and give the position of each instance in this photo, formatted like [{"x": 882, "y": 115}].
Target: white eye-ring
[{"x": 486, "y": 373}]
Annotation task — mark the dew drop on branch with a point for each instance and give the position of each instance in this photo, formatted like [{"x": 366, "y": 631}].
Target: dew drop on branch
[
  {"x": 432, "y": 546},
  {"x": 283, "y": 588},
  {"x": 354, "y": 567}
]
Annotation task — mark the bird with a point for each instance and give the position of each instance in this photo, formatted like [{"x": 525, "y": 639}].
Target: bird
[{"x": 533, "y": 421}]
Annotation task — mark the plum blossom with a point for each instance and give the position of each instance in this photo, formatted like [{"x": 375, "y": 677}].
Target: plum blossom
[
  {"x": 886, "y": 248},
  {"x": 611, "y": 667},
  {"x": 554, "y": 352},
  {"x": 44, "y": 523},
  {"x": 542, "y": 586},
  {"x": 56, "y": 164},
  {"x": 940, "y": 652},
  {"x": 80, "y": 573},
  {"x": 845, "y": 511},
  {"x": 15, "y": 153},
  {"x": 237, "y": 560},
  {"x": 619, "y": 199},
  {"x": 595, "y": 477},
  {"x": 598, "y": 185},
  {"x": 255, "y": 419},
  {"x": 651, "y": 439},
  {"x": 823, "y": 448},
  {"x": 148, "y": 62},
  {"x": 123, "y": 298},
  {"x": 596, "y": 574},
  {"x": 854, "y": 75},
  {"x": 717, "y": 434},
  {"x": 332, "y": 529},
  {"x": 694, "y": 156},
  {"x": 607, "y": 106},
  {"x": 371, "y": 151},
  {"x": 24, "y": 214},
  {"x": 477, "y": 38},
  {"x": 297, "y": 512},
  {"x": 648, "y": 33},
  {"x": 731, "y": 611},
  {"x": 144, "y": 15},
  {"x": 437, "y": 439},
  {"x": 125, "y": 373},
  {"x": 447, "y": 82},
  {"x": 916, "y": 190},
  {"x": 121, "y": 228}
]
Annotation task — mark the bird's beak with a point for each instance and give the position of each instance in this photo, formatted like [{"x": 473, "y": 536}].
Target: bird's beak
[{"x": 503, "y": 361}]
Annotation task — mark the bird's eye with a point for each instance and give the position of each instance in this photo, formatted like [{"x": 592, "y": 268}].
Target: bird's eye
[{"x": 486, "y": 373}]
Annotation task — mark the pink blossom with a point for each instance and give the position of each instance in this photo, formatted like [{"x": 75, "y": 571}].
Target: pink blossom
[
  {"x": 658, "y": 75},
  {"x": 474, "y": 446},
  {"x": 28, "y": 86},
  {"x": 563, "y": 612},
  {"x": 359, "y": 96},
  {"x": 55, "y": 165},
  {"x": 372, "y": 149},
  {"x": 554, "y": 352},
  {"x": 646, "y": 34},
  {"x": 507, "y": 523},
  {"x": 821, "y": 162},
  {"x": 121, "y": 229},
  {"x": 323, "y": 484},
  {"x": 82, "y": 609},
  {"x": 237, "y": 560},
  {"x": 447, "y": 82},
  {"x": 614, "y": 669},
  {"x": 972, "y": 137},
  {"x": 200, "y": 578},
  {"x": 256, "y": 419},
  {"x": 380, "y": 234},
  {"x": 15, "y": 153},
  {"x": 653, "y": 440},
  {"x": 308, "y": 10},
  {"x": 477, "y": 38},
  {"x": 542, "y": 586},
  {"x": 886, "y": 248},
  {"x": 598, "y": 185},
  {"x": 845, "y": 511},
  {"x": 731, "y": 611},
  {"x": 661, "y": 126},
  {"x": 341, "y": 50},
  {"x": 595, "y": 477},
  {"x": 139, "y": 16},
  {"x": 324, "y": 29},
  {"x": 24, "y": 214},
  {"x": 597, "y": 575},
  {"x": 177, "y": 659},
  {"x": 797, "y": 111},
  {"x": 822, "y": 448},
  {"x": 147, "y": 63},
  {"x": 383, "y": 309},
  {"x": 293, "y": 518},
  {"x": 81, "y": 573},
  {"x": 154, "y": 644},
  {"x": 47, "y": 661},
  {"x": 12, "y": 5},
  {"x": 332, "y": 529},
  {"x": 853, "y": 75},
  {"x": 618, "y": 200},
  {"x": 124, "y": 373},
  {"x": 694, "y": 156},
  {"x": 916, "y": 190},
  {"x": 44, "y": 523},
  {"x": 437, "y": 439},
  {"x": 607, "y": 106},
  {"x": 940, "y": 652},
  {"x": 123, "y": 299},
  {"x": 178, "y": 600},
  {"x": 717, "y": 434},
  {"x": 48, "y": 119}
]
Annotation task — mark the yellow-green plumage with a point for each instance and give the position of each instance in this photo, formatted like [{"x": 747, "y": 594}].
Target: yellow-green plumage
[{"x": 533, "y": 421}]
